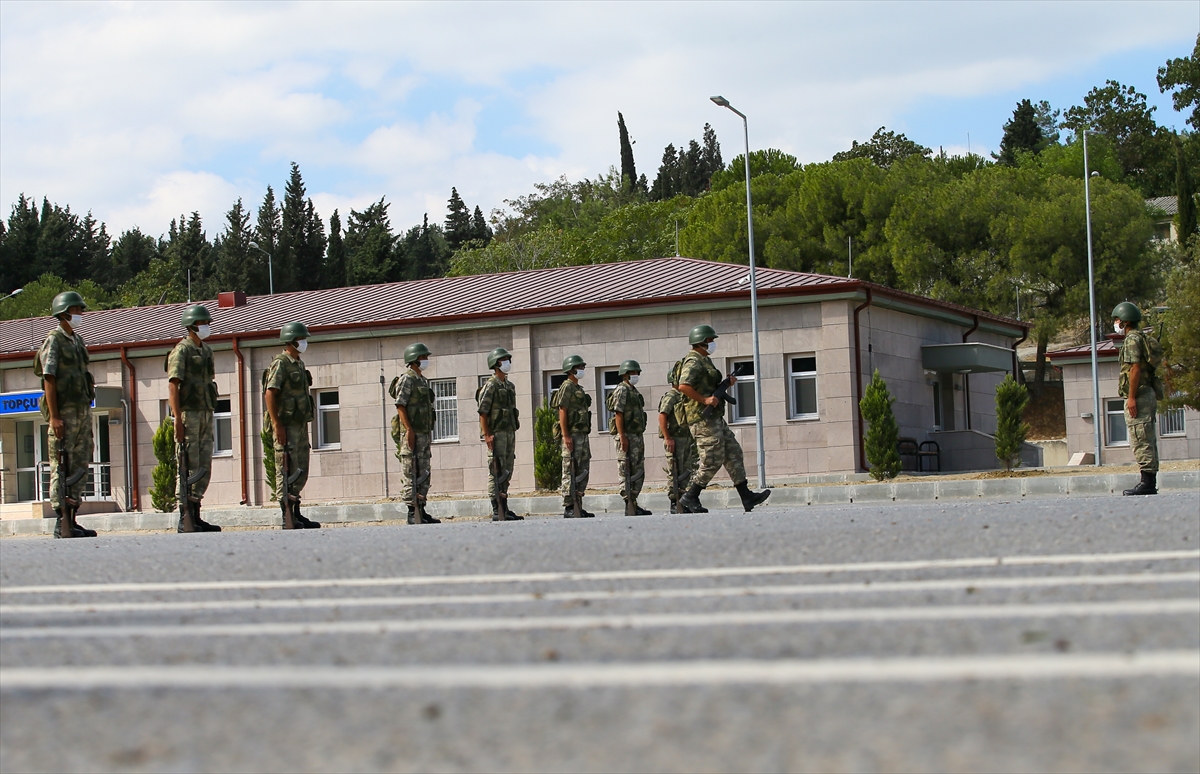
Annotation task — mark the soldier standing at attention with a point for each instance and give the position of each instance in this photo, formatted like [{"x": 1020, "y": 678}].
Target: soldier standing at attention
[
  {"x": 67, "y": 392},
  {"x": 412, "y": 430},
  {"x": 498, "y": 424},
  {"x": 193, "y": 396},
  {"x": 716, "y": 444},
  {"x": 574, "y": 424},
  {"x": 677, "y": 439},
  {"x": 1141, "y": 388},
  {"x": 289, "y": 410},
  {"x": 628, "y": 424}
]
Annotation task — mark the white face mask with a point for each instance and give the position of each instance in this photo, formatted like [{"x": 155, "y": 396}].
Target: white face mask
[
  {"x": 76, "y": 320},
  {"x": 203, "y": 330},
  {"x": 711, "y": 347},
  {"x": 1117, "y": 326},
  {"x": 302, "y": 345},
  {"x": 505, "y": 366},
  {"x": 633, "y": 379},
  {"x": 580, "y": 373},
  {"x": 423, "y": 363}
]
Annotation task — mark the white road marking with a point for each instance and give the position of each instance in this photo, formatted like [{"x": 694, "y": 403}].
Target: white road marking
[
  {"x": 626, "y": 621},
  {"x": 698, "y": 572},
  {"x": 860, "y": 587},
  {"x": 1176, "y": 664}
]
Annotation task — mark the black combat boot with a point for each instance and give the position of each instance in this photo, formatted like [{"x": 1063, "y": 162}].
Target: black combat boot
[
  {"x": 751, "y": 499},
  {"x": 201, "y": 524},
  {"x": 569, "y": 512},
  {"x": 690, "y": 502},
  {"x": 301, "y": 521},
  {"x": 74, "y": 531},
  {"x": 674, "y": 507},
  {"x": 412, "y": 516},
  {"x": 496, "y": 515},
  {"x": 1147, "y": 486},
  {"x": 426, "y": 518},
  {"x": 510, "y": 516},
  {"x": 640, "y": 511}
]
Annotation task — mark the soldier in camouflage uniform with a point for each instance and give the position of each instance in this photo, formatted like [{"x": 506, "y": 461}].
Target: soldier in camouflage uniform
[
  {"x": 574, "y": 425},
  {"x": 193, "y": 397},
  {"x": 412, "y": 430},
  {"x": 1141, "y": 388},
  {"x": 499, "y": 420},
  {"x": 68, "y": 389},
  {"x": 715, "y": 442},
  {"x": 677, "y": 439},
  {"x": 286, "y": 386},
  {"x": 628, "y": 425}
]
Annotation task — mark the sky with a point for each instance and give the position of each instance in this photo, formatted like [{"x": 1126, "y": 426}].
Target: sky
[{"x": 141, "y": 112}]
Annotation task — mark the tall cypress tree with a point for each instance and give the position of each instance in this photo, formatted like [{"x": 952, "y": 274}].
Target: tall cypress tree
[
  {"x": 335, "y": 254},
  {"x": 710, "y": 157},
  {"x": 1185, "y": 191},
  {"x": 266, "y": 236},
  {"x": 18, "y": 259},
  {"x": 666, "y": 184},
  {"x": 1021, "y": 133},
  {"x": 311, "y": 256},
  {"x": 234, "y": 254},
  {"x": 480, "y": 230},
  {"x": 458, "y": 221},
  {"x": 370, "y": 245},
  {"x": 291, "y": 267},
  {"x": 629, "y": 177}
]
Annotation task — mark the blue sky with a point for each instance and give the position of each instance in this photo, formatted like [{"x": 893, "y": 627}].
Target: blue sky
[{"x": 140, "y": 112}]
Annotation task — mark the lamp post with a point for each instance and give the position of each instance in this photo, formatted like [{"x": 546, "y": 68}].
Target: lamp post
[
  {"x": 1087, "y": 205},
  {"x": 758, "y": 374},
  {"x": 13, "y": 294},
  {"x": 270, "y": 268}
]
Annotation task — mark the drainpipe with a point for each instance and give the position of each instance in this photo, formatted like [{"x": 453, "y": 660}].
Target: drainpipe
[
  {"x": 862, "y": 445},
  {"x": 131, "y": 431},
  {"x": 128, "y": 472},
  {"x": 1017, "y": 375},
  {"x": 241, "y": 365},
  {"x": 967, "y": 377}
]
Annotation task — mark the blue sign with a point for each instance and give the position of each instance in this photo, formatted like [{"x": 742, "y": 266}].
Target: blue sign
[{"x": 19, "y": 402}]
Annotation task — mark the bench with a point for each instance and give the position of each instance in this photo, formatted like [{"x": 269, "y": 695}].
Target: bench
[{"x": 913, "y": 455}]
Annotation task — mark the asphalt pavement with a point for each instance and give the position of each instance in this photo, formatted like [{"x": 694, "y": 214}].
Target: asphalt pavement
[{"x": 1036, "y": 635}]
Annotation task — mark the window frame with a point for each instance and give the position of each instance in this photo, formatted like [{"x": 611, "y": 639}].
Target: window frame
[
  {"x": 321, "y": 411},
  {"x": 793, "y": 377},
  {"x": 218, "y": 416},
  {"x": 605, "y": 388},
  {"x": 735, "y": 416},
  {"x": 1109, "y": 414},
  {"x": 452, "y": 382}
]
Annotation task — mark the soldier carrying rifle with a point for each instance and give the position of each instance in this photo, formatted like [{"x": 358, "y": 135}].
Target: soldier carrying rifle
[
  {"x": 677, "y": 439},
  {"x": 193, "y": 397},
  {"x": 289, "y": 410},
  {"x": 498, "y": 423},
  {"x": 628, "y": 424},
  {"x": 574, "y": 423},
  {"x": 412, "y": 430}
]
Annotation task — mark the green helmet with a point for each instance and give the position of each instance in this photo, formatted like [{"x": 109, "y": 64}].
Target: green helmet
[
  {"x": 64, "y": 301},
  {"x": 293, "y": 331},
  {"x": 701, "y": 334},
  {"x": 673, "y": 373},
  {"x": 1127, "y": 312},
  {"x": 574, "y": 361},
  {"x": 415, "y": 351},
  {"x": 496, "y": 355},
  {"x": 194, "y": 315},
  {"x": 629, "y": 366}
]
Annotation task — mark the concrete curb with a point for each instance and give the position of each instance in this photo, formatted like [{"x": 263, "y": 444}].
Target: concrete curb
[{"x": 716, "y": 498}]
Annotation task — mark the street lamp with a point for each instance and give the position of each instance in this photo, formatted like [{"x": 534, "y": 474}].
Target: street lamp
[
  {"x": 758, "y": 374},
  {"x": 16, "y": 292},
  {"x": 1087, "y": 204},
  {"x": 270, "y": 269}
]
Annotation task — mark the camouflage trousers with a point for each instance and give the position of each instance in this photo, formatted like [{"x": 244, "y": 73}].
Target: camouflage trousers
[
  {"x": 1143, "y": 431},
  {"x": 423, "y": 456},
  {"x": 582, "y": 455},
  {"x": 504, "y": 450},
  {"x": 76, "y": 445},
  {"x": 198, "y": 434},
  {"x": 297, "y": 449},
  {"x": 637, "y": 464},
  {"x": 716, "y": 446},
  {"x": 683, "y": 459}
]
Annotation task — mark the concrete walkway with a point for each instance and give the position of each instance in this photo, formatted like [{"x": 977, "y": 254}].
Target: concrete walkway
[{"x": 788, "y": 494}]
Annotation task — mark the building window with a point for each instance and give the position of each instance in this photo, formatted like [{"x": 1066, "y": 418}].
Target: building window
[
  {"x": 554, "y": 380},
  {"x": 1170, "y": 422},
  {"x": 223, "y": 428},
  {"x": 329, "y": 423},
  {"x": 802, "y": 382},
  {"x": 445, "y": 409},
  {"x": 1118, "y": 433},
  {"x": 608, "y": 381},
  {"x": 743, "y": 391}
]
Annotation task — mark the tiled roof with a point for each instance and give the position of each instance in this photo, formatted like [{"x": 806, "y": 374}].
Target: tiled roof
[
  {"x": 1106, "y": 348},
  {"x": 1168, "y": 205},
  {"x": 449, "y": 299}
]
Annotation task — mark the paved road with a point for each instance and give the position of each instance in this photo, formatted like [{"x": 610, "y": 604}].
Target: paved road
[{"x": 1013, "y": 636}]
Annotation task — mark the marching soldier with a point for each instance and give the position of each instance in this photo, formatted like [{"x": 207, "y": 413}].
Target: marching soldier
[
  {"x": 628, "y": 424},
  {"x": 498, "y": 425},
  {"x": 574, "y": 424},
  {"x": 716, "y": 444},
  {"x": 193, "y": 397},
  {"x": 677, "y": 439},
  {"x": 289, "y": 410},
  {"x": 1141, "y": 388},
  {"x": 68, "y": 389},
  {"x": 412, "y": 430}
]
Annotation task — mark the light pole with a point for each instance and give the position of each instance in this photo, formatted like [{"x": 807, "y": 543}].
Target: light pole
[
  {"x": 270, "y": 268},
  {"x": 758, "y": 374},
  {"x": 13, "y": 294},
  {"x": 1087, "y": 205}
]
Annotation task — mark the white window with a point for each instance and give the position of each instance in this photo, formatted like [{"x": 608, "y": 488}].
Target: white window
[
  {"x": 223, "y": 428},
  {"x": 608, "y": 381},
  {"x": 743, "y": 391},
  {"x": 445, "y": 409},
  {"x": 554, "y": 379},
  {"x": 802, "y": 382},
  {"x": 1170, "y": 422},
  {"x": 329, "y": 423},
  {"x": 1118, "y": 433}
]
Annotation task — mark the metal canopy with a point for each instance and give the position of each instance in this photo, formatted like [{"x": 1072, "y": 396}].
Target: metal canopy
[{"x": 972, "y": 357}]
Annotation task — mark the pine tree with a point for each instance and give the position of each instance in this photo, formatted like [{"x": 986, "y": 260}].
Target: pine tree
[
  {"x": 131, "y": 255},
  {"x": 458, "y": 221},
  {"x": 711, "y": 157},
  {"x": 266, "y": 236},
  {"x": 164, "y": 493},
  {"x": 1185, "y": 191},
  {"x": 312, "y": 256},
  {"x": 234, "y": 254},
  {"x": 692, "y": 175},
  {"x": 424, "y": 252},
  {"x": 335, "y": 254},
  {"x": 292, "y": 268},
  {"x": 629, "y": 174},
  {"x": 547, "y": 454},
  {"x": 1011, "y": 400},
  {"x": 882, "y": 432},
  {"x": 480, "y": 230},
  {"x": 1021, "y": 133},
  {"x": 18, "y": 259},
  {"x": 666, "y": 184},
  {"x": 370, "y": 245}
]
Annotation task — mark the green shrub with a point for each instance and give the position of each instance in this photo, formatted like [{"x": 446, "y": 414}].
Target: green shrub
[
  {"x": 1011, "y": 400},
  {"x": 164, "y": 495},
  {"x": 268, "y": 445},
  {"x": 882, "y": 432},
  {"x": 547, "y": 455}
]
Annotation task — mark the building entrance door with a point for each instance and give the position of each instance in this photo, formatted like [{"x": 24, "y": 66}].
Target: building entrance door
[{"x": 33, "y": 462}]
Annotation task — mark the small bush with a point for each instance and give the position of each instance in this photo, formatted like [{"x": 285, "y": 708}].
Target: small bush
[
  {"x": 547, "y": 455},
  {"x": 1011, "y": 400},
  {"x": 268, "y": 445},
  {"x": 164, "y": 494},
  {"x": 882, "y": 432}
]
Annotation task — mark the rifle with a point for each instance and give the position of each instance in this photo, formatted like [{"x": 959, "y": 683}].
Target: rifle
[
  {"x": 630, "y": 502},
  {"x": 576, "y": 500},
  {"x": 185, "y": 500},
  {"x": 722, "y": 394},
  {"x": 287, "y": 478},
  {"x": 501, "y": 495},
  {"x": 66, "y": 480}
]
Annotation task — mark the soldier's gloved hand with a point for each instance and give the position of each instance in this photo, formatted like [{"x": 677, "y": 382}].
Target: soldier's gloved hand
[{"x": 58, "y": 426}]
